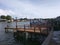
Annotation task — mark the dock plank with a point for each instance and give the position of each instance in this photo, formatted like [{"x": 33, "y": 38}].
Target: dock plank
[{"x": 37, "y": 30}]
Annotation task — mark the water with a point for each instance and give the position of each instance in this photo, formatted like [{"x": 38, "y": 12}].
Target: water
[
  {"x": 56, "y": 36},
  {"x": 7, "y": 38}
]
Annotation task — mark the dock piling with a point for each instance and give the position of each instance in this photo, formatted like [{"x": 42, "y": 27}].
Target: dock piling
[
  {"x": 24, "y": 36},
  {"x": 6, "y": 30}
]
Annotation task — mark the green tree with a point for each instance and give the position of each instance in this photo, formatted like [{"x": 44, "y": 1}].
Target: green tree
[
  {"x": 25, "y": 18},
  {"x": 8, "y": 17},
  {"x": 3, "y": 17}
]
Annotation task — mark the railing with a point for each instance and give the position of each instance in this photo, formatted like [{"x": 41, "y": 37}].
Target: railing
[{"x": 49, "y": 37}]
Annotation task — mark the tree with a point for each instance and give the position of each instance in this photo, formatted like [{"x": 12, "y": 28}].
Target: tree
[
  {"x": 8, "y": 17},
  {"x": 3, "y": 17},
  {"x": 25, "y": 18}
]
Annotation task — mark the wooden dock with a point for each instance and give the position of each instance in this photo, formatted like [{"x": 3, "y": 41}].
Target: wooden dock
[
  {"x": 31, "y": 29},
  {"x": 29, "y": 32}
]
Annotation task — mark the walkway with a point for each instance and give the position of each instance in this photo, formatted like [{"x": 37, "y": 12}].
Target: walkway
[{"x": 56, "y": 38}]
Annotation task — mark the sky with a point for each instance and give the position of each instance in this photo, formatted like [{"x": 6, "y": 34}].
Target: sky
[{"x": 30, "y": 8}]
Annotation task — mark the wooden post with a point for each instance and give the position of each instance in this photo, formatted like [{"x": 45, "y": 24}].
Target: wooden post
[
  {"x": 31, "y": 36},
  {"x": 6, "y": 30},
  {"x": 40, "y": 29},
  {"x": 30, "y": 22},
  {"x": 34, "y": 32},
  {"x": 15, "y": 31},
  {"x": 34, "y": 29},
  {"x": 33, "y": 21},
  {"x": 40, "y": 32},
  {"x": 24, "y": 28},
  {"x": 24, "y": 36},
  {"x": 16, "y": 22},
  {"x": 47, "y": 31}
]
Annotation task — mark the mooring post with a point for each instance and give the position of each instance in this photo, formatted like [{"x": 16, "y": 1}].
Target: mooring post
[
  {"x": 40, "y": 32},
  {"x": 24, "y": 28},
  {"x": 34, "y": 32},
  {"x": 30, "y": 22},
  {"x": 34, "y": 29},
  {"x": 16, "y": 23},
  {"x": 15, "y": 31},
  {"x": 6, "y": 29},
  {"x": 24, "y": 36}
]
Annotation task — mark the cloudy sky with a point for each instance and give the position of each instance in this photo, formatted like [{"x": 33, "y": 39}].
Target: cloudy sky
[{"x": 30, "y": 8}]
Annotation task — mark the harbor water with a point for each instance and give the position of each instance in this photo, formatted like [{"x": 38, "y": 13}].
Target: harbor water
[{"x": 7, "y": 38}]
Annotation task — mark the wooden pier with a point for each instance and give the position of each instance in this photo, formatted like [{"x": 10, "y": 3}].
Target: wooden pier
[
  {"x": 25, "y": 33},
  {"x": 30, "y": 29},
  {"x": 32, "y": 32}
]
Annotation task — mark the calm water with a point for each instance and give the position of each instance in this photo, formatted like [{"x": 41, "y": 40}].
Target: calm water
[{"x": 7, "y": 38}]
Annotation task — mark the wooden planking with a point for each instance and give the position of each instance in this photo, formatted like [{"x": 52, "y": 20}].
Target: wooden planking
[
  {"x": 26, "y": 29},
  {"x": 30, "y": 29}
]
